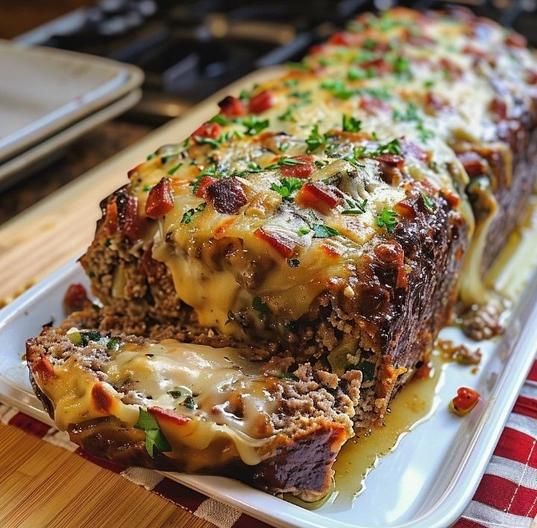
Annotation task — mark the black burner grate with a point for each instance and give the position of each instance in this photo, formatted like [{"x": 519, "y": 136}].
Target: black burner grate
[{"x": 192, "y": 48}]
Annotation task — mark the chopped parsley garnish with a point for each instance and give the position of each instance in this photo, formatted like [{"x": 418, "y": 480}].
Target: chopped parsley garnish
[
  {"x": 254, "y": 125},
  {"x": 259, "y": 306},
  {"x": 370, "y": 44},
  {"x": 188, "y": 215},
  {"x": 210, "y": 170},
  {"x": 428, "y": 202},
  {"x": 354, "y": 207},
  {"x": 147, "y": 188},
  {"x": 298, "y": 66},
  {"x": 324, "y": 231},
  {"x": 214, "y": 143},
  {"x": 174, "y": 169},
  {"x": 376, "y": 93},
  {"x": 392, "y": 147},
  {"x": 350, "y": 123},
  {"x": 387, "y": 219},
  {"x": 291, "y": 83},
  {"x": 401, "y": 67},
  {"x": 245, "y": 94},
  {"x": 288, "y": 115},
  {"x": 113, "y": 344},
  {"x": 315, "y": 140},
  {"x": 154, "y": 439},
  {"x": 338, "y": 89},
  {"x": 358, "y": 74},
  {"x": 151, "y": 156},
  {"x": 287, "y": 187},
  {"x": 424, "y": 133},
  {"x": 410, "y": 114},
  {"x": 305, "y": 97},
  {"x": 428, "y": 84},
  {"x": 220, "y": 119}
]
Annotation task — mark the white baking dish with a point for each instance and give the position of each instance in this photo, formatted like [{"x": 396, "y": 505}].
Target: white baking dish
[{"x": 425, "y": 483}]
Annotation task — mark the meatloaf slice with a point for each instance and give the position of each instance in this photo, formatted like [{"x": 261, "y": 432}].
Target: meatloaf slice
[{"x": 192, "y": 408}]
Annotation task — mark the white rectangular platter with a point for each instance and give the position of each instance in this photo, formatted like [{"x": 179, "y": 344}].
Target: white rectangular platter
[{"x": 425, "y": 483}]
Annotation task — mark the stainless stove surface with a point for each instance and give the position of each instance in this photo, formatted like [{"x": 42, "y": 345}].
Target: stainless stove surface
[{"x": 192, "y": 48}]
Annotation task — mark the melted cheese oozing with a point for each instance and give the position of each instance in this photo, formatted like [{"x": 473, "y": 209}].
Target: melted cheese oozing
[{"x": 220, "y": 382}]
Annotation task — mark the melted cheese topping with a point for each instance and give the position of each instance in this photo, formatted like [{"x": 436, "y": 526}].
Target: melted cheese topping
[
  {"x": 227, "y": 401},
  {"x": 427, "y": 82}
]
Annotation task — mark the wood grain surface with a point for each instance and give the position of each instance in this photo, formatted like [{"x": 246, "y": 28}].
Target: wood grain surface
[{"x": 42, "y": 485}]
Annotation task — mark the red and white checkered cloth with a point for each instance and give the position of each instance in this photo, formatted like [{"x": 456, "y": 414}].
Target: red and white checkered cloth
[{"x": 506, "y": 497}]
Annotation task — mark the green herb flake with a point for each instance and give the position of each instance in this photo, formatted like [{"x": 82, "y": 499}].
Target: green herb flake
[
  {"x": 387, "y": 219},
  {"x": 424, "y": 133},
  {"x": 359, "y": 74},
  {"x": 113, "y": 344},
  {"x": 315, "y": 140},
  {"x": 324, "y": 231},
  {"x": 355, "y": 207},
  {"x": 154, "y": 439},
  {"x": 338, "y": 89},
  {"x": 287, "y": 187},
  {"x": 428, "y": 202},
  {"x": 350, "y": 123},
  {"x": 254, "y": 125},
  {"x": 410, "y": 114},
  {"x": 147, "y": 188},
  {"x": 174, "y": 169},
  {"x": 220, "y": 120},
  {"x": 188, "y": 215},
  {"x": 288, "y": 115}
]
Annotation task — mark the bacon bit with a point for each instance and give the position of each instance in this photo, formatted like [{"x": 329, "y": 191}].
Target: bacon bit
[
  {"x": 464, "y": 402},
  {"x": 167, "y": 415},
  {"x": 451, "y": 198},
  {"x": 516, "y": 40},
  {"x": 101, "y": 398},
  {"x": 283, "y": 244},
  {"x": 261, "y": 102},
  {"x": 451, "y": 67},
  {"x": 475, "y": 52},
  {"x": 317, "y": 196},
  {"x": 473, "y": 163},
  {"x": 226, "y": 195},
  {"x": 434, "y": 102},
  {"x": 160, "y": 200},
  {"x": 75, "y": 298},
  {"x": 232, "y": 106},
  {"x": 203, "y": 184},
  {"x": 129, "y": 221},
  {"x": 330, "y": 251},
  {"x": 302, "y": 170},
  {"x": 414, "y": 151},
  {"x": 379, "y": 65},
  {"x": 499, "y": 108},
  {"x": 43, "y": 368},
  {"x": 405, "y": 209},
  {"x": 340, "y": 39},
  {"x": 110, "y": 223},
  {"x": 392, "y": 160},
  {"x": 418, "y": 40},
  {"x": 372, "y": 105},
  {"x": 207, "y": 130}
]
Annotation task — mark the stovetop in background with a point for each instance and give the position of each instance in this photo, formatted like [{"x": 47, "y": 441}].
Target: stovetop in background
[{"x": 192, "y": 48}]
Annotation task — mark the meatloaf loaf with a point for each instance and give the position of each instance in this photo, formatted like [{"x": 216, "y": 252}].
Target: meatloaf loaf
[{"x": 333, "y": 215}]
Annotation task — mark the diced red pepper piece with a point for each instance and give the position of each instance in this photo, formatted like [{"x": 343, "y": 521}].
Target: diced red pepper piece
[
  {"x": 232, "y": 106},
  {"x": 303, "y": 169},
  {"x": 451, "y": 198},
  {"x": 207, "y": 130},
  {"x": 203, "y": 184},
  {"x": 226, "y": 195},
  {"x": 373, "y": 105},
  {"x": 453, "y": 69},
  {"x": 160, "y": 199},
  {"x": 464, "y": 402},
  {"x": 499, "y": 108},
  {"x": 516, "y": 40},
  {"x": 283, "y": 244},
  {"x": 317, "y": 196},
  {"x": 340, "y": 39},
  {"x": 261, "y": 102},
  {"x": 475, "y": 52},
  {"x": 379, "y": 65},
  {"x": 473, "y": 163},
  {"x": 532, "y": 77},
  {"x": 75, "y": 298},
  {"x": 167, "y": 415},
  {"x": 405, "y": 209}
]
